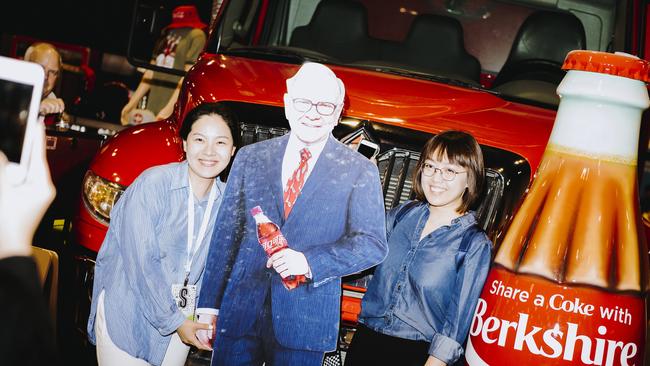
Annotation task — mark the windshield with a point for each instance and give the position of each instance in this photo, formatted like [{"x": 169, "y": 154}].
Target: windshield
[{"x": 456, "y": 41}]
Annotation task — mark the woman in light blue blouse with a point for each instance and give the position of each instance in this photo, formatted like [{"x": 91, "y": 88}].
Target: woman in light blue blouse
[
  {"x": 420, "y": 301},
  {"x": 150, "y": 265}
]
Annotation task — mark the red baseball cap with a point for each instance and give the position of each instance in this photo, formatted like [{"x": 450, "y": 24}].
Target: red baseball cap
[{"x": 186, "y": 16}]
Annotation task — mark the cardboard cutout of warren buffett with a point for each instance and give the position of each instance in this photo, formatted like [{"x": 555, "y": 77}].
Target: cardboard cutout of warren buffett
[{"x": 327, "y": 201}]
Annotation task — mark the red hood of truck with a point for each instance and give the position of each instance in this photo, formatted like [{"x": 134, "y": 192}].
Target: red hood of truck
[
  {"x": 137, "y": 148},
  {"x": 392, "y": 99}
]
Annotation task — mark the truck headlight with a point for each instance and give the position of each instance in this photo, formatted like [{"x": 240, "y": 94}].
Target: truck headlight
[{"x": 99, "y": 196}]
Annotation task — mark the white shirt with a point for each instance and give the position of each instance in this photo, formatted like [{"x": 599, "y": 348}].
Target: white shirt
[{"x": 291, "y": 159}]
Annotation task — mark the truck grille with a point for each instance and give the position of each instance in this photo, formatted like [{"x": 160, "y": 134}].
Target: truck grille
[
  {"x": 251, "y": 133},
  {"x": 396, "y": 168}
]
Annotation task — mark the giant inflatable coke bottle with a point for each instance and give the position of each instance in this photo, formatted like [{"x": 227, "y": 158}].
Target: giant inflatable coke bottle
[{"x": 569, "y": 280}]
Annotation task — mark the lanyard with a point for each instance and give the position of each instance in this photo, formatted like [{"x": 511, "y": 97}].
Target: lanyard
[{"x": 193, "y": 245}]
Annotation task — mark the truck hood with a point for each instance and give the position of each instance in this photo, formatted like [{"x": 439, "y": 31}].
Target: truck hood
[
  {"x": 141, "y": 146},
  {"x": 411, "y": 103}
]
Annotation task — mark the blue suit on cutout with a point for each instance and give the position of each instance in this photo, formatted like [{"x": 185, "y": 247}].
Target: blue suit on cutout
[{"x": 337, "y": 222}]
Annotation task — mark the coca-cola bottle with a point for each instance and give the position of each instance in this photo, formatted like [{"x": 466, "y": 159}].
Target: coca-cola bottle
[
  {"x": 271, "y": 239},
  {"x": 569, "y": 280}
]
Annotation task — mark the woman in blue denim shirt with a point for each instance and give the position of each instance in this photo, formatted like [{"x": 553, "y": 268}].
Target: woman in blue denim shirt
[
  {"x": 150, "y": 265},
  {"x": 420, "y": 301}
]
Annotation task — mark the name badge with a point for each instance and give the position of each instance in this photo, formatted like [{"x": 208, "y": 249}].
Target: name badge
[{"x": 185, "y": 298}]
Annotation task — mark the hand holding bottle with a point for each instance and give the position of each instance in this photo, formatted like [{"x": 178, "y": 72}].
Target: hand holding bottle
[{"x": 288, "y": 262}]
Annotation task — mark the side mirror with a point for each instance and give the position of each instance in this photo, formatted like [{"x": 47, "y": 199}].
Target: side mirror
[{"x": 149, "y": 20}]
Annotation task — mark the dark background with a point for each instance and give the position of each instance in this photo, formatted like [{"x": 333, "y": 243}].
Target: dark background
[
  {"x": 103, "y": 27},
  {"x": 100, "y": 25}
]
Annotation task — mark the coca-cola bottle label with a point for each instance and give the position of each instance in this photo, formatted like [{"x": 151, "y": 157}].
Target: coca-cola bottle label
[
  {"x": 274, "y": 243},
  {"x": 271, "y": 239},
  {"x": 529, "y": 320}
]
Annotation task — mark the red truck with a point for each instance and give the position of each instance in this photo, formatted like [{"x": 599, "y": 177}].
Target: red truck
[{"x": 411, "y": 69}]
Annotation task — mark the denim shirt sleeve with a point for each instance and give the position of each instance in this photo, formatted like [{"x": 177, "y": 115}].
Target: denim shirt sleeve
[
  {"x": 140, "y": 252},
  {"x": 447, "y": 345}
]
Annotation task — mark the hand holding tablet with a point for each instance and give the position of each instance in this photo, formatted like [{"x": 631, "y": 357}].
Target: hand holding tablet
[{"x": 21, "y": 85}]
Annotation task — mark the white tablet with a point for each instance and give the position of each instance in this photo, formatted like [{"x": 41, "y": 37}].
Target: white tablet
[{"x": 21, "y": 85}]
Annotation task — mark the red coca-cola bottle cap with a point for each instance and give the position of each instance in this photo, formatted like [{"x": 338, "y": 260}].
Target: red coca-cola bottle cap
[
  {"x": 256, "y": 210},
  {"x": 617, "y": 64}
]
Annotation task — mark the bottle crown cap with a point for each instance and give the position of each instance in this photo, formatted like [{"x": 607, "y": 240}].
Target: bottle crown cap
[
  {"x": 256, "y": 210},
  {"x": 617, "y": 64}
]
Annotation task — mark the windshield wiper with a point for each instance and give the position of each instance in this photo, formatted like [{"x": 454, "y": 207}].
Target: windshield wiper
[
  {"x": 300, "y": 55},
  {"x": 282, "y": 54},
  {"x": 420, "y": 75}
]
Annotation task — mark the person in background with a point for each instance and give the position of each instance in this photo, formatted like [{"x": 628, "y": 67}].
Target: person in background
[
  {"x": 420, "y": 301},
  {"x": 178, "y": 48},
  {"x": 327, "y": 201},
  {"x": 49, "y": 58},
  {"x": 26, "y": 321},
  {"x": 150, "y": 265}
]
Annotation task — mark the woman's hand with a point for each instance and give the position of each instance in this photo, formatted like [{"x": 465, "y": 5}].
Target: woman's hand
[
  {"x": 187, "y": 333},
  {"x": 432, "y": 361},
  {"x": 207, "y": 336}
]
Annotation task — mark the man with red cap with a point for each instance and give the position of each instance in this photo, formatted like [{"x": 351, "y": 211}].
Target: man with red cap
[{"x": 178, "y": 47}]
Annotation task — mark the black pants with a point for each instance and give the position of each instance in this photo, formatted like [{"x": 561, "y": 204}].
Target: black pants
[{"x": 372, "y": 348}]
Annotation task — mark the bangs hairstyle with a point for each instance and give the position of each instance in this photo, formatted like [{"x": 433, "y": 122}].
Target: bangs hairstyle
[
  {"x": 460, "y": 148},
  {"x": 207, "y": 109}
]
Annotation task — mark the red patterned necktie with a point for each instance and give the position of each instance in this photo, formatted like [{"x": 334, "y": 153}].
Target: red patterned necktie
[{"x": 295, "y": 183}]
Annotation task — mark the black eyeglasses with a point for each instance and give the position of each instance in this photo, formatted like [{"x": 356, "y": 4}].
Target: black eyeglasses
[
  {"x": 323, "y": 108},
  {"x": 448, "y": 174}
]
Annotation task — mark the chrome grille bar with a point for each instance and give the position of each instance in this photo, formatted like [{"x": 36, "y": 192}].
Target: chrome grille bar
[
  {"x": 252, "y": 133},
  {"x": 396, "y": 172}
]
